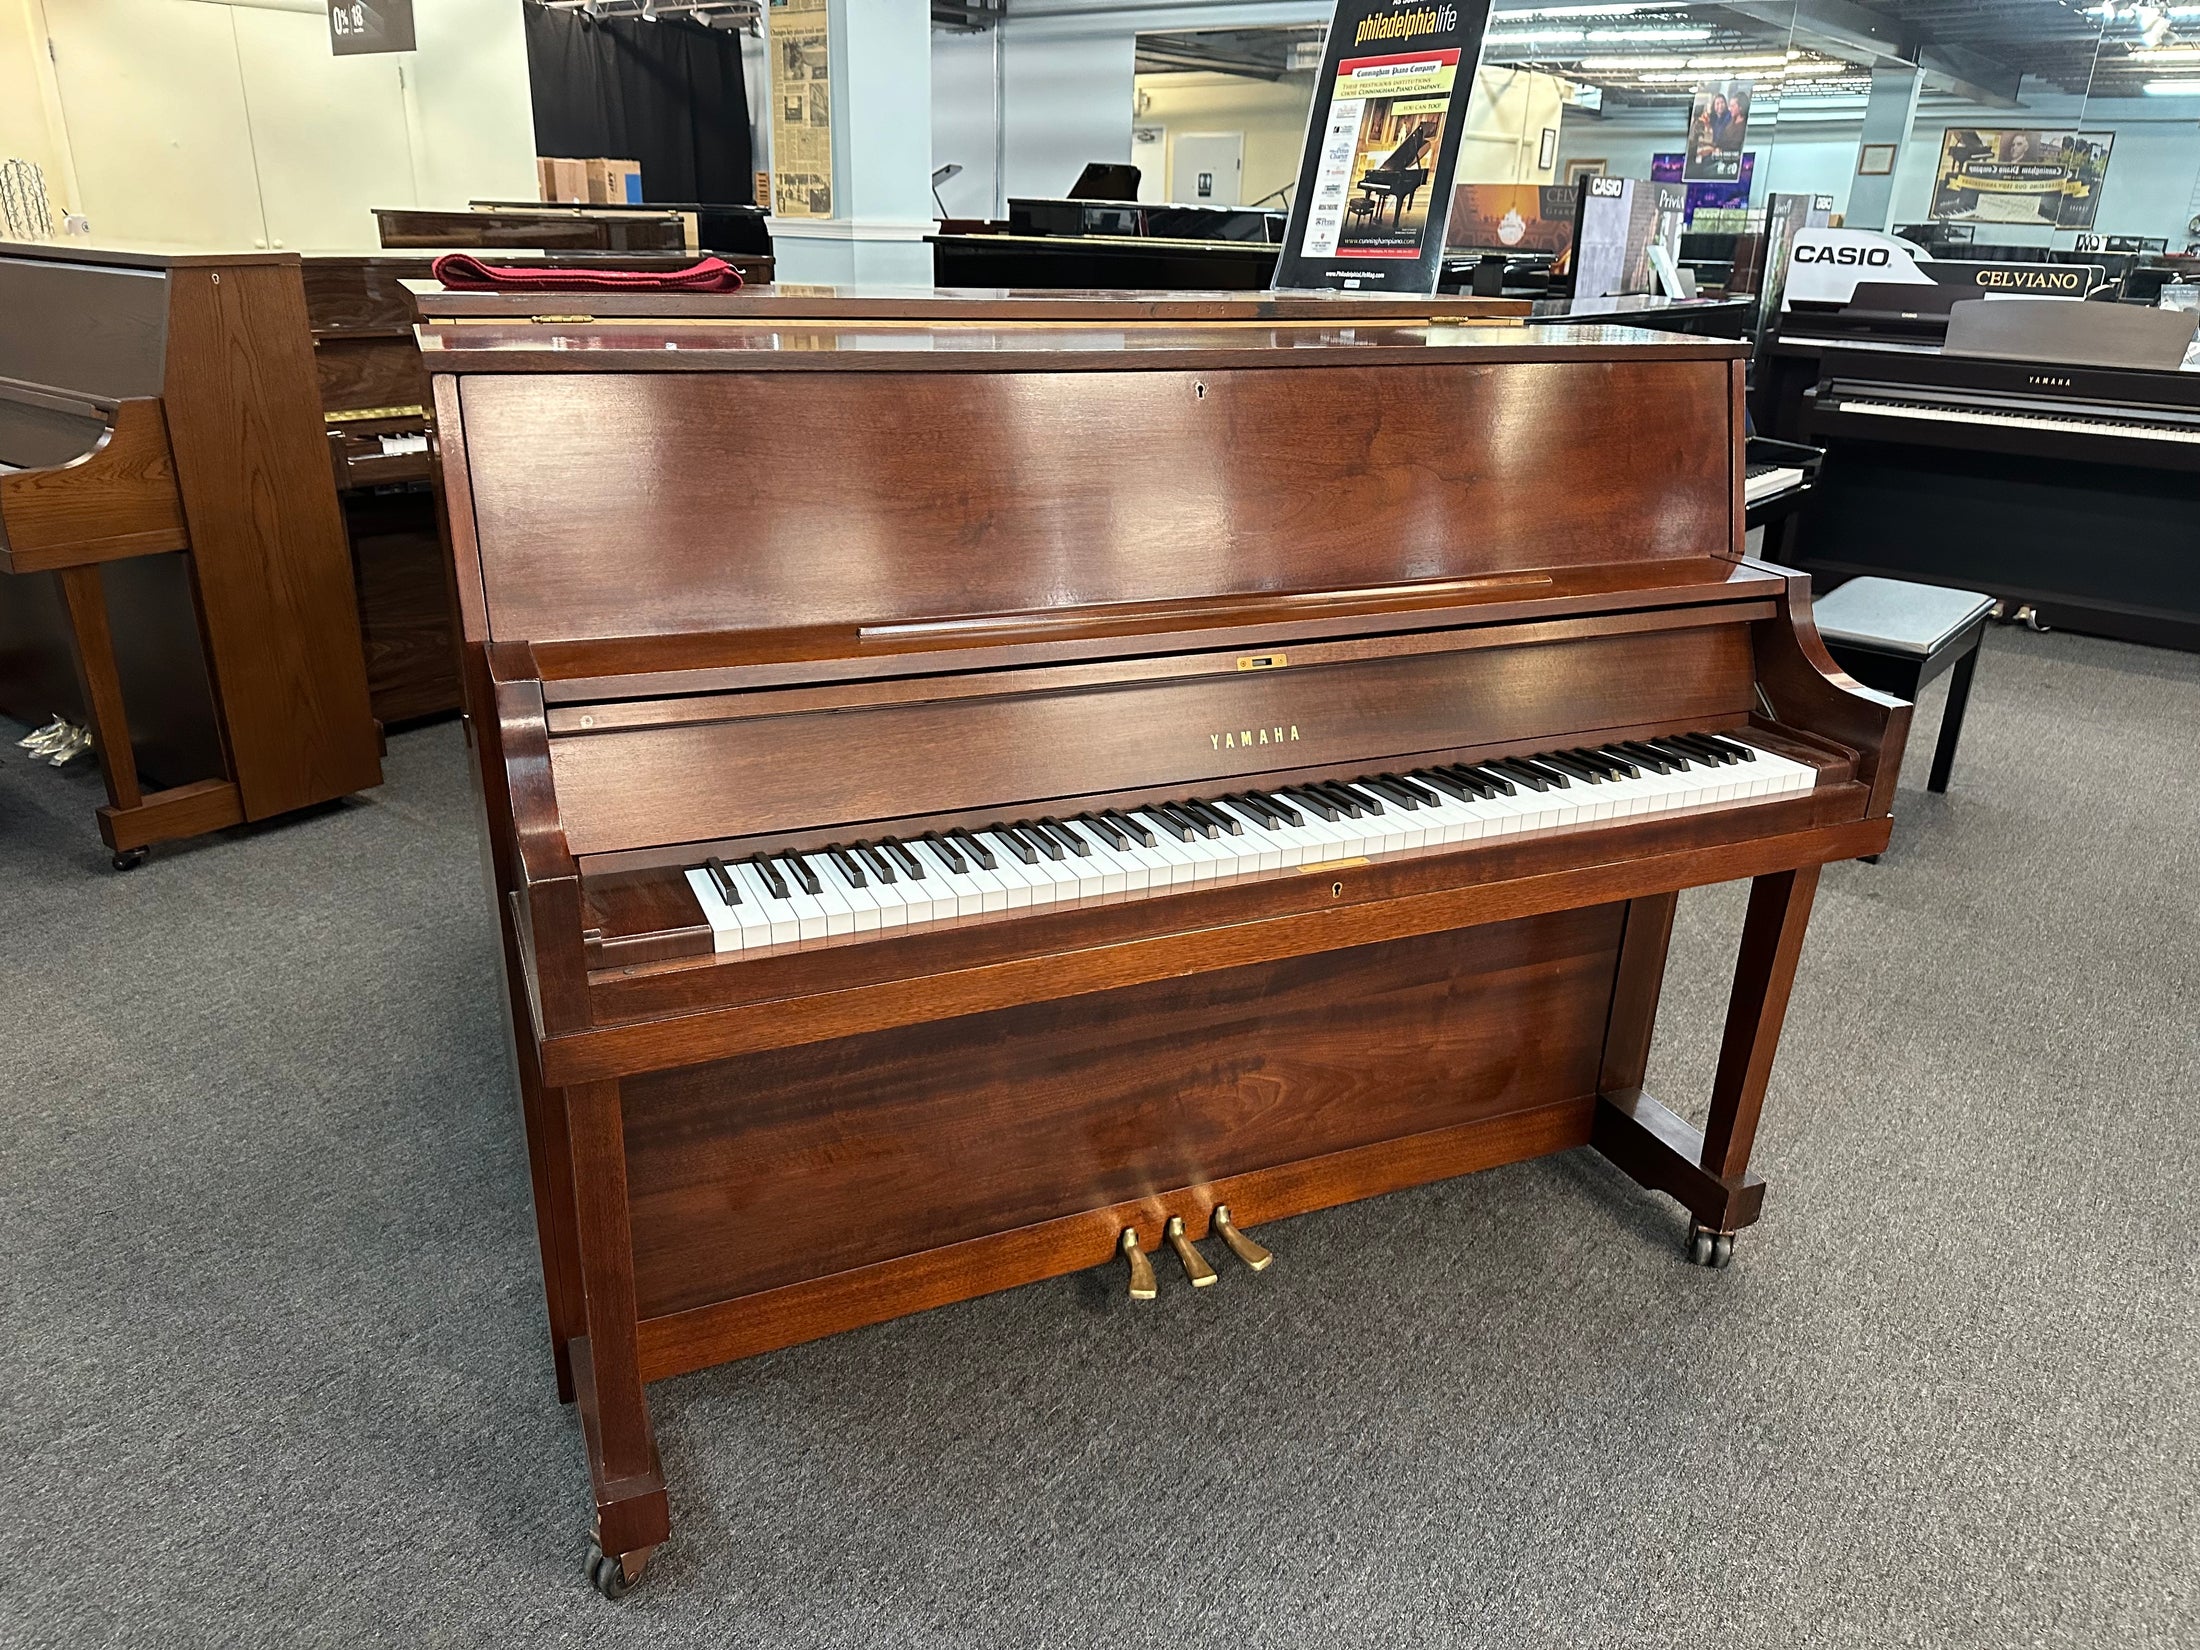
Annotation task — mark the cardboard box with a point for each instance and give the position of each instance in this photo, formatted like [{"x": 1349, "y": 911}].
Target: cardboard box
[
  {"x": 615, "y": 182},
  {"x": 562, "y": 180}
]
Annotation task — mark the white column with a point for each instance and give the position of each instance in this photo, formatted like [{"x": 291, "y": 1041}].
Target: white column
[
  {"x": 881, "y": 59},
  {"x": 1888, "y": 113}
]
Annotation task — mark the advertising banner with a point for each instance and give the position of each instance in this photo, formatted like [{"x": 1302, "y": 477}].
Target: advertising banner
[
  {"x": 1718, "y": 121},
  {"x": 2020, "y": 176},
  {"x": 1375, "y": 174}
]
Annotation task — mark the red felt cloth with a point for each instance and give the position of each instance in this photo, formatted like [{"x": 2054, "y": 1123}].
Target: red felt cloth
[{"x": 463, "y": 272}]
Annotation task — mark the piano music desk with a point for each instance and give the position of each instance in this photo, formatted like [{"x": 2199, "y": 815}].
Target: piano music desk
[{"x": 741, "y": 587}]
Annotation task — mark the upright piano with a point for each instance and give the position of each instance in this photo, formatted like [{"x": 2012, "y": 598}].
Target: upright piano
[
  {"x": 976, "y": 794},
  {"x": 179, "y": 584}
]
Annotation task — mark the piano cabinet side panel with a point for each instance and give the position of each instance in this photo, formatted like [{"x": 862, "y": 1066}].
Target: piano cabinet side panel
[
  {"x": 793, "y": 1165},
  {"x": 644, "y": 504}
]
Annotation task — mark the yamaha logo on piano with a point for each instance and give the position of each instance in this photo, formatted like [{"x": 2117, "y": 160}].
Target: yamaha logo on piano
[
  {"x": 2047, "y": 380},
  {"x": 1246, "y": 737}
]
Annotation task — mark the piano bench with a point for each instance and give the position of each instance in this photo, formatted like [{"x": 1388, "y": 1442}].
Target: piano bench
[{"x": 1896, "y": 636}]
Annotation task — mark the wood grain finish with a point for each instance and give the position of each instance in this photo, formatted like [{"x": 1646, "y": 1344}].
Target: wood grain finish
[
  {"x": 712, "y": 597},
  {"x": 408, "y": 622},
  {"x": 186, "y": 386},
  {"x": 860, "y": 500}
]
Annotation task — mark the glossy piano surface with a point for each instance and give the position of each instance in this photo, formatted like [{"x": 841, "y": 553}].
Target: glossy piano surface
[{"x": 1341, "y": 702}]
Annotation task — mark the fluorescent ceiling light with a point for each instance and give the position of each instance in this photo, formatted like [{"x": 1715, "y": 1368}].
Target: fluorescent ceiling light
[
  {"x": 1766, "y": 60},
  {"x": 2166, "y": 54},
  {"x": 1647, "y": 35},
  {"x": 1613, "y": 8},
  {"x": 2172, "y": 88}
]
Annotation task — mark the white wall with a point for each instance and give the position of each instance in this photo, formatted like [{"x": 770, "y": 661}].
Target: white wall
[
  {"x": 966, "y": 121},
  {"x": 1065, "y": 100},
  {"x": 229, "y": 123}
]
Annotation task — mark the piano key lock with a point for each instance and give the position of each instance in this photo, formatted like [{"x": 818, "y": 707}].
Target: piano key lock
[{"x": 1144, "y": 1286}]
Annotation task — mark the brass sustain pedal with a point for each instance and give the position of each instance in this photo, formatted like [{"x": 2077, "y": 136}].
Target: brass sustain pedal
[{"x": 1143, "y": 1284}]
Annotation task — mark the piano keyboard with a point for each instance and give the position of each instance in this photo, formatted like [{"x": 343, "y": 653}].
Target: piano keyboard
[
  {"x": 898, "y": 884},
  {"x": 1768, "y": 480},
  {"x": 2100, "y": 424}
]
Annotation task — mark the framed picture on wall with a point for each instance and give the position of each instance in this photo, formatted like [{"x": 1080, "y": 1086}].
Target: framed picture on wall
[
  {"x": 1875, "y": 160},
  {"x": 1586, "y": 166},
  {"x": 1546, "y": 155}
]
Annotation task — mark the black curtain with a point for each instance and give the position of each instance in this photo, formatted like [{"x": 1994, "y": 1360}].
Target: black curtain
[{"x": 669, "y": 95}]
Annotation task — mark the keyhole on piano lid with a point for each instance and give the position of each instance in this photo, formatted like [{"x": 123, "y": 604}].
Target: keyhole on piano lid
[
  {"x": 1199, "y": 390},
  {"x": 1336, "y": 890}
]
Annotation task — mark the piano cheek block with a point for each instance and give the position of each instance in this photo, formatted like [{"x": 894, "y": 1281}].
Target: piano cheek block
[{"x": 882, "y": 931}]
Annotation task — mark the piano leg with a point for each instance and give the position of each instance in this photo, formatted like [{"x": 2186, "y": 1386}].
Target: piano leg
[
  {"x": 1706, "y": 1171},
  {"x": 550, "y": 1167},
  {"x": 623, "y": 1468}
]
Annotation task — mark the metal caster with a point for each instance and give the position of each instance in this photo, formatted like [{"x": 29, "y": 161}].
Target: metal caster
[
  {"x": 1709, "y": 1248},
  {"x": 615, "y": 1574},
  {"x": 129, "y": 859}
]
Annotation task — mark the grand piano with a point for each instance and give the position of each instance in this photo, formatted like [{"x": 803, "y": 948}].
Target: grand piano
[
  {"x": 985, "y": 789},
  {"x": 177, "y": 582}
]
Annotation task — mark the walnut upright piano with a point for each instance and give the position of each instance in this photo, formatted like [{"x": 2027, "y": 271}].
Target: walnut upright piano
[{"x": 972, "y": 789}]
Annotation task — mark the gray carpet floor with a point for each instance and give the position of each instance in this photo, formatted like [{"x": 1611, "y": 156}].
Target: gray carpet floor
[{"x": 273, "y": 1369}]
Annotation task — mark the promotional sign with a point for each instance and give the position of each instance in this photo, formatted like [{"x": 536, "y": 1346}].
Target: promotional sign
[
  {"x": 1617, "y": 224},
  {"x": 1725, "y": 195},
  {"x": 1510, "y": 217},
  {"x": 1382, "y": 140},
  {"x": 1828, "y": 265},
  {"x": 356, "y": 27},
  {"x": 1718, "y": 121},
  {"x": 2017, "y": 176}
]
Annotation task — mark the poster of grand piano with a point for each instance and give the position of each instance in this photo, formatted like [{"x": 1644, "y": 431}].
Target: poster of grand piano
[
  {"x": 1381, "y": 142},
  {"x": 2020, "y": 175}
]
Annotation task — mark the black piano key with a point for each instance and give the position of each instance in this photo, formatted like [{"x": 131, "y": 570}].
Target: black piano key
[
  {"x": 1170, "y": 823},
  {"x": 1220, "y": 818},
  {"x": 1681, "y": 754},
  {"x": 1389, "y": 790},
  {"x": 722, "y": 880},
  {"x": 1449, "y": 784},
  {"x": 1707, "y": 747},
  {"x": 1285, "y": 814},
  {"x": 1107, "y": 833},
  {"x": 1313, "y": 801},
  {"x": 1527, "y": 773},
  {"x": 911, "y": 866},
  {"x": 1748, "y": 753},
  {"x": 1480, "y": 782},
  {"x": 1067, "y": 836},
  {"x": 1571, "y": 765},
  {"x": 1016, "y": 844},
  {"x": 971, "y": 846},
  {"x": 1650, "y": 757},
  {"x": 1124, "y": 822},
  {"x": 804, "y": 875},
  {"x": 1351, "y": 801},
  {"x": 881, "y": 866},
  {"x": 1191, "y": 821},
  {"x": 951, "y": 860},
  {"x": 1413, "y": 788},
  {"x": 1626, "y": 766},
  {"x": 770, "y": 873},
  {"x": 848, "y": 866},
  {"x": 1251, "y": 805},
  {"x": 1038, "y": 839}
]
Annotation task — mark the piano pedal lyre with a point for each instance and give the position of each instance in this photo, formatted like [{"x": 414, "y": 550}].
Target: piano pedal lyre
[
  {"x": 1143, "y": 1287},
  {"x": 1258, "y": 1258},
  {"x": 1195, "y": 1263}
]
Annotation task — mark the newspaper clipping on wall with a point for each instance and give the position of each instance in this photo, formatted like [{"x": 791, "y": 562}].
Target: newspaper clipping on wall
[{"x": 802, "y": 110}]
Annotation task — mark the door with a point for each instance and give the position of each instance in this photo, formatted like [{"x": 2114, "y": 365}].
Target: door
[{"x": 1205, "y": 167}]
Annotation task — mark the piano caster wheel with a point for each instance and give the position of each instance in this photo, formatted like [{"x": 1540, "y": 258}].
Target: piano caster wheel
[
  {"x": 129, "y": 859},
  {"x": 1709, "y": 1248},
  {"x": 614, "y": 1574}
]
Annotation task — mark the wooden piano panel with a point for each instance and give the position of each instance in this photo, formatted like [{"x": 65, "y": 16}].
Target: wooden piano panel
[
  {"x": 775, "y": 500},
  {"x": 1003, "y": 1120},
  {"x": 765, "y": 772},
  {"x": 98, "y": 329}
]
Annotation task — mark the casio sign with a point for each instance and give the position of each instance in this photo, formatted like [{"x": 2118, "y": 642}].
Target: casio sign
[
  {"x": 1608, "y": 188},
  {"x": 1868, "y": 257}
]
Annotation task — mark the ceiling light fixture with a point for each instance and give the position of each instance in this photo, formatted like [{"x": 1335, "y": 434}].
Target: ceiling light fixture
[{"x": 2172, "y": 88}]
